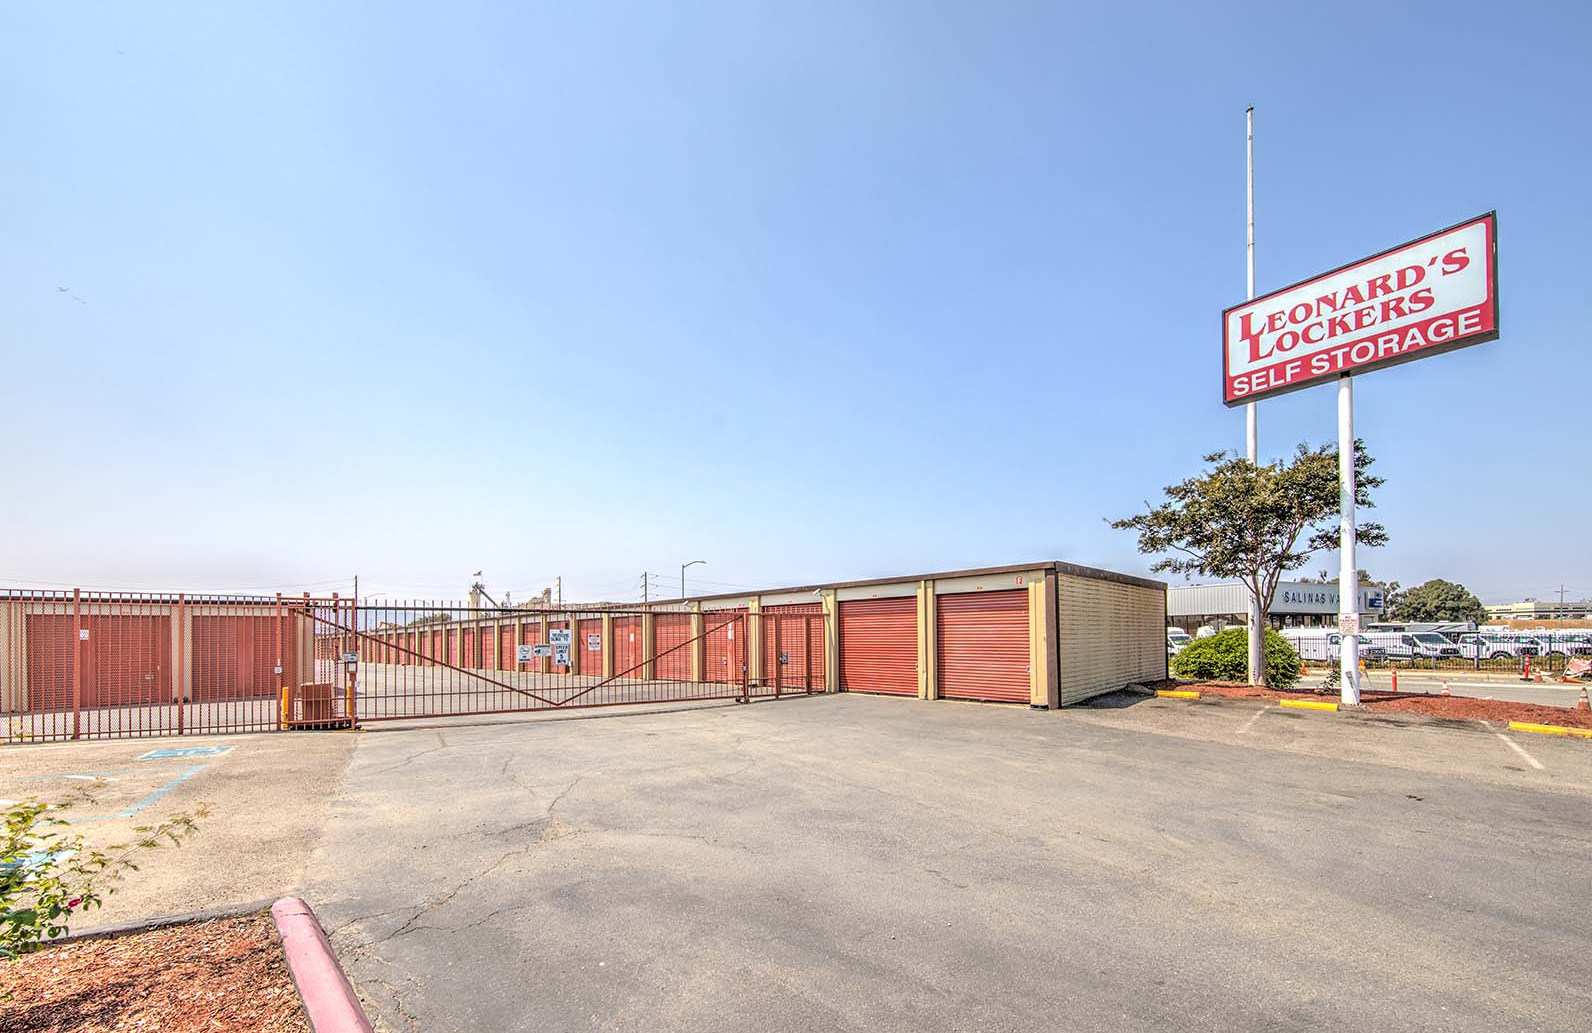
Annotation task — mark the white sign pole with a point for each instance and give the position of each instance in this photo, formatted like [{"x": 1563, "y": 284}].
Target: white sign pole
[
  {"x": 1257, "y": 639},
  {"x": 1348, "y": 574}
]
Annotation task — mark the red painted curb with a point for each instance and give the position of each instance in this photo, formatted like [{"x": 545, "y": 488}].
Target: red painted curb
[{"x": 328, "y": 997}]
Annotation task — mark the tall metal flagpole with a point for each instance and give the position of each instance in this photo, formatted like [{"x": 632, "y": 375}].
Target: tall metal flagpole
[
  {"x": 1251, "y": 414},
  {"x": 1348, "y": 573}
]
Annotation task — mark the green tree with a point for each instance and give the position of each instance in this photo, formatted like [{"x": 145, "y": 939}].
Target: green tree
[
  {"x": 1439, "y": 600},
  {"x": 1242, "y": 521},
  {"x": 1224, "y": 656}
]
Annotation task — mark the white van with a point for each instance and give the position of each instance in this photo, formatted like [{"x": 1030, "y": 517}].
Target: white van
[
  {"x": 1484, "y": 645},
  {"x": 1177, "y": 640},
  {"x": 1413, "y": 645},
  {"x": 1326, "y": 644}
]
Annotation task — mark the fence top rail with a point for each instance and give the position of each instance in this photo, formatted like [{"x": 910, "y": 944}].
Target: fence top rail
[{"x": 26, "y": 595}]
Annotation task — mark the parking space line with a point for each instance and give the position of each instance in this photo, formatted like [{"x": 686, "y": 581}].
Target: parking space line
[
  {"x": 1529, "y": 759},
  {"x": 1256, "y": 717},
  {"x": 128, "y": 812}
]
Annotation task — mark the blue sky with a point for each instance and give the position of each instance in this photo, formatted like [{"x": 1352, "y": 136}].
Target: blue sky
[{"x": 809, "y": 291}]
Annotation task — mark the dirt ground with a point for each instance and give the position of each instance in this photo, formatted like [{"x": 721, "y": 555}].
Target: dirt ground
[
  {"x": 225, "y": 976},
  {"x": 1465, "y": 708}
]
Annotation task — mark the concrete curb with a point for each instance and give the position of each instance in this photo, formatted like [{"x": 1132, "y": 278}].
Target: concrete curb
[
  {"x": 211, "y": 914},
  {"x": 1574, "y": 733},
  {"x": 329, "y": 1000},
  {"x": 1176, "y": 694},
  {"x": 1307, "y": 704}
]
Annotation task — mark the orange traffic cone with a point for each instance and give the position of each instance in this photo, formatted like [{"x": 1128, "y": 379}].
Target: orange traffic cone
[
  {"x": 1395, "y": 677},
  {"x": 1304, "y": 672},
  {"x": 1445, "y": 686},
  {"x": 1582, "y": 704}
]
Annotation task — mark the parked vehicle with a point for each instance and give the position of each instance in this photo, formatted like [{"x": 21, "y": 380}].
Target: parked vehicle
[
  {"x": 1176, "y": 641},
  {"x": 1485, "y": 646},
  {"x": 1419, "y": 645},
  {"x": 1324, "y": 645}
]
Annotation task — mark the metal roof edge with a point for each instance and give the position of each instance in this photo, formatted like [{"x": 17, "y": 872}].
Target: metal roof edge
[{"x": 1095, "y": 573}]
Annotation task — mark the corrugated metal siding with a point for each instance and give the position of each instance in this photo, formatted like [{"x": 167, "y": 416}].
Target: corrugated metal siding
[
  {"x": 627, "y": 647},
  {"x": 1206, "y": 599},
  {"x": 670, "y": 630},
  {"x": 879, "y": 645},
  {"x": 983, "y": 645},
  {"x": 1111, "y": 635},
  {"x": 506, "y": 652}
]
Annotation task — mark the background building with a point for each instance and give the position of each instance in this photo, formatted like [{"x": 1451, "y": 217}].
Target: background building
[
  {"x": 1297, "y": 604},
  {"x": 1535, "y": 609}
]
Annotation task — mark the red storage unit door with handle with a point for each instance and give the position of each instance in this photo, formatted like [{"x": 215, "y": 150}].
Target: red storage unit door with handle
[
  {"x": 233, "y": 657},
  {"x": 983, "y": 646},
  {"x": 591, "y": 660},
  {"x": 506, "y": 651},
  {"x": 724, "y": 648},
  {"x": 52, "y": 653},
  {"x": 795, "y": 635},
  {"x": 879, "y": 646},
  {"x": 627, "y": 647},
  {"x": 670, "y": 632},
  {"x": 486, "y": 656}
]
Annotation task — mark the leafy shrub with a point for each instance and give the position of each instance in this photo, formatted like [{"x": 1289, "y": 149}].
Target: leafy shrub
[
  {"x": 47, "y": 876},
  {"x": 1224, "y": 656}
]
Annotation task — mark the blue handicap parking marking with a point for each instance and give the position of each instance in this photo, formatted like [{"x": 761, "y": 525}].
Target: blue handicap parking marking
[
  {"x": 186, "y": 751},
  {"x": 111, "y": 776}
]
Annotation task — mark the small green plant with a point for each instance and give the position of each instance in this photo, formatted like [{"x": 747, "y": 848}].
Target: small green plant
[
  {"x": 48, "y": 876},
  {"x": 1224, "y": 656}
]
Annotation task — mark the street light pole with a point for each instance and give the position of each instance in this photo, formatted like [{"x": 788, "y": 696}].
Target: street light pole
[
  {"x": 1257, "y": 634},
  {"x": 682, "y": 574}
]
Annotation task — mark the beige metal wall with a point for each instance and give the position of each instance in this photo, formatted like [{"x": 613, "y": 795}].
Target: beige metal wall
[{"x": 1112, "y": 634}]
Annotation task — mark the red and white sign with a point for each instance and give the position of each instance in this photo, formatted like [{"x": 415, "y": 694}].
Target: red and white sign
[{"x": 1422, "y": 298}]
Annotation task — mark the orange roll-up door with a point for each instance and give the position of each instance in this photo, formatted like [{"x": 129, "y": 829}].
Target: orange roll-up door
[
  {"x": 879, "y": 646},
  {"x": 670, "y": 633},
  {"x": 983, "y": 646}
]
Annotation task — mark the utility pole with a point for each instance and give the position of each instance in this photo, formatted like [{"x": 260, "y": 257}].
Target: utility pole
[
  {"x": 643, "y": 586},
  {"x": 559, "y": 581}
]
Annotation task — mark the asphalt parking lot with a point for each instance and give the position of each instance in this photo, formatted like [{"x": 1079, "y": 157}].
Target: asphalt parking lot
[
  {"x": 268, "y": 796},
  {"x": 856, "y": 863}
]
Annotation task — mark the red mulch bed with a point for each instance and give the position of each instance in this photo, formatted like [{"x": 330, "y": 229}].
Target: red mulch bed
[
  {"x": 1463, "y": 708},
  {"x": 225, "y": 976}
]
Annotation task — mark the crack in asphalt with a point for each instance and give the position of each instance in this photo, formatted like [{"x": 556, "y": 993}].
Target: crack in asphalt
[
  {"x": 549, "y": 823},
  {"x": 442, "y": 744}
]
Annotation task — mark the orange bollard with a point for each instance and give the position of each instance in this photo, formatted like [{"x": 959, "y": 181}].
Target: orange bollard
[
  {"x": 1525, "y": 672},
  {"x": 1395, "y": 677}
]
